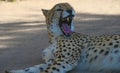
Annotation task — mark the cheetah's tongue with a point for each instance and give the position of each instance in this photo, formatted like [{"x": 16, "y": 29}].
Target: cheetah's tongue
[{"x": 66, "y": 29}]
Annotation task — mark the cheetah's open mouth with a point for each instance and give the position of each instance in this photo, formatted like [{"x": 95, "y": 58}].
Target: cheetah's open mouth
[{"x": 65, "y": 25}]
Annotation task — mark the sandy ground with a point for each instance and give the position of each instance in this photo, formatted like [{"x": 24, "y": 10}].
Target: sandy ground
[{"x": 23, "y": 33}]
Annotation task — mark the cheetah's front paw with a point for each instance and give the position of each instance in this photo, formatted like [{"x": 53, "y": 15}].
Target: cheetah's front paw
[
  {"x": 7, "y": 71},
  {"x": 15, "y": 71}
]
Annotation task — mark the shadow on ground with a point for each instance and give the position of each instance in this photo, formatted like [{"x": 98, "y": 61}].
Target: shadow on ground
[
  {"x": 21, "y": 43},
  {"x": 97, "y": 24}
]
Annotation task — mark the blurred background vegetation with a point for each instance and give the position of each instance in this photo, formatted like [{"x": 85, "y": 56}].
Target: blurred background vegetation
[{"x": 10, "y": 0}]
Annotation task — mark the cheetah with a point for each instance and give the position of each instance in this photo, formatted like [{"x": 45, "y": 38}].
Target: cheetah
[{"x": 70, "y": 50}]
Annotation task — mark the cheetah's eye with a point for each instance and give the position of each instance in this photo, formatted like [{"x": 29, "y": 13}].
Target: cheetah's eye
[{"x": 59, "y": 10}]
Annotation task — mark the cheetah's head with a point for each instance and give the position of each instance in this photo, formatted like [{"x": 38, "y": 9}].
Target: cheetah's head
[{"x": 59, "y": 20}]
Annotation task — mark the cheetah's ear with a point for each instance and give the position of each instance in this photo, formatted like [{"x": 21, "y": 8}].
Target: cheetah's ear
[{"x": 45, "y": 12}]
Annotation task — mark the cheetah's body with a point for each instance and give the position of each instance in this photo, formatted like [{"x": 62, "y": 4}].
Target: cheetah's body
[
  {"x": 70, "y": 49},
  {"x": 96, "y": 53},
  {"x": 101, "y": 53}
]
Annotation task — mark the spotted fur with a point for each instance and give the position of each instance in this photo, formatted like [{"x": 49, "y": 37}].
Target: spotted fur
[{"x": 74, "y": 50}]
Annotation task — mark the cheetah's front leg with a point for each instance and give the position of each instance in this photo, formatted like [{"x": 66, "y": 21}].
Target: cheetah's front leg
[
  {"x": 48, "y": 56},
  {"x": 59, "y": 66},
  {"x": 49, "y": 53},
  {"x": 34, "y": 69}
]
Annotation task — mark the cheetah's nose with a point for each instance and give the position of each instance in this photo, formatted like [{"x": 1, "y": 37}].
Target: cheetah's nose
[{"x": 69, "y": 11}]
